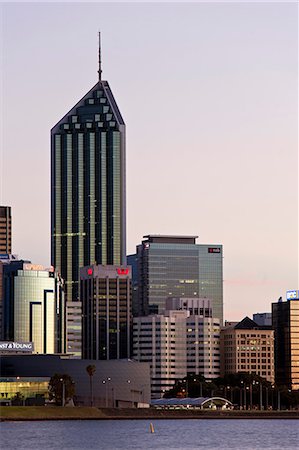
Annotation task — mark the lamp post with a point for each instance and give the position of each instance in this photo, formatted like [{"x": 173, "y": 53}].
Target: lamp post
[
  {"x": 241, "y": 392},
  {"x": 232, "y": 393},
  {"x": 250, "y": 393},
  {"x": 272, "y": 396},
  {"x": 200, "y": 387},
  {"x": 261, "y": 396},
  {"x": 267, "y": 398},
  {"x": 63, "y": 392},
  {"x": 105, "y": 382},
  {"x": 278, "y": 399},
  {"x": 132, "y": 394},
  {"x": 246, "y": 389},
  {"x": 185, "y": 390},
  {"x": 113, "y": 397}
]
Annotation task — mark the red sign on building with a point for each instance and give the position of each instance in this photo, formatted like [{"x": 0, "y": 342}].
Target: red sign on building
[{"x": 121, "y": 271}]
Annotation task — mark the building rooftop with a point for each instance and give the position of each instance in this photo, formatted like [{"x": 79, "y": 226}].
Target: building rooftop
[
  {"x": 249, "y": 324},
  {"x": 169, "y": 239}
]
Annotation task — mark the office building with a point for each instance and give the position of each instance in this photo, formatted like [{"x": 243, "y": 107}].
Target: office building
[
  {"x": 5, "y": 230},
  {"x": 88, "y": 210},
  {"x": 285, "y": 322},
  {"x": 184, "y": 340},
  {"x": 175, "y": 266},
  {"x": 105, "y": 293},
  {"x": 247, "y": 347},
  {"x": 4, "y": 259},
  {"x": 33, "y": 307},
  {"x": 263, "y": 319},
  {"x": 195, "y": 306},
  {"x": 73, "y": 312},
  {"x": 88, "y": 186},
  {"x": 117, "y": 383}
]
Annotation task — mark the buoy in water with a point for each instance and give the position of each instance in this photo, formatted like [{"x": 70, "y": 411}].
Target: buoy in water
[{"x": 152, "y": 430}]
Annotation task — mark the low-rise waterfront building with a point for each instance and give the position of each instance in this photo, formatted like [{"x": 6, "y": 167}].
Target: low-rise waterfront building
[
  {"x": 116, "y": 383},
  {"x": 247, "y": 347}
]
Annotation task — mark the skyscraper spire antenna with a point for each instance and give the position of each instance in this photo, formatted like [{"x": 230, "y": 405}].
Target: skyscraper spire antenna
[{"x": 100, "y": 61}]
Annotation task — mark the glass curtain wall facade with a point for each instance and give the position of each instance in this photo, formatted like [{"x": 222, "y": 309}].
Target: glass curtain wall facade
[
  {"x": 175, "y": 266},
  {"x": 88, "y": 187},
  {"x": 33, "y": 307},
  {"x": 210, "y": 276},
  {"x": 106, "y": 312},
  {"x": 285, "y": 322}
]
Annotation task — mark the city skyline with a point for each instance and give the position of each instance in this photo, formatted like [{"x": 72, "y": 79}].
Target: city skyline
[{"x": 223, "y": 78}]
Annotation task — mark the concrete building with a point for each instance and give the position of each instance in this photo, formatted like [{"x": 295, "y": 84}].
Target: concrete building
[
  {"x": 88, "y": 205},
  {"x": 197, "y": 307},
  {"x": 285, "y": 322},
  {"x": 106, "y": 311},
  {"x": 178, "y": 342},
  {"x": 247, "y": 347},
  {"x": 116, "y": 383},
  {"x": 33, "y": 306},
  {"x": 5, "y": 230},
  {"x": 175, "y": 266},
  {"x": 73, "y": 312}
]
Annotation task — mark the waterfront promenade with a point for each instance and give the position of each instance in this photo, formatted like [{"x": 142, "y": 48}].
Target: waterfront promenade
[{"x": 22, "y": 413}]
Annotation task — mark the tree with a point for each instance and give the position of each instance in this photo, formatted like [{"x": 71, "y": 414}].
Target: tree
[
  {"x": 18, "y": 399},
  {"x": 91, "y": 371},
  {"x": 61, "y": 388},
  {"x": 193, "y": 385}
]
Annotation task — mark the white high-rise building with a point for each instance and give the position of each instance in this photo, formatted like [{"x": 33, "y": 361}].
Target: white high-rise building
[{"x": 178, "y": 342}]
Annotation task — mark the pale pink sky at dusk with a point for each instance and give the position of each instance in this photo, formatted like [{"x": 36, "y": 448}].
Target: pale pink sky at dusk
[{"x": 209, "y": 94}]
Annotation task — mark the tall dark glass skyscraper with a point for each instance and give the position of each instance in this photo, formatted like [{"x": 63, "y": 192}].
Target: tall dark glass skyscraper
[
  {"x": 88, "y": 213},
  {"x": 175, "y": 266}
]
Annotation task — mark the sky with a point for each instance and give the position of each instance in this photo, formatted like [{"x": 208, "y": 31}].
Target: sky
[{"x": 209, "y": 94}]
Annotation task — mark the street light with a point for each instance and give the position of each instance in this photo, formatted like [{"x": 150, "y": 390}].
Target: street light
[
  {"x": 63, "y": 392},
  {"x": 241, "y": 391},
  {"x": 132, "y": 394},
  {"x": 230, "y": 389},
  {"x": 267, "y": 398},
  {"x": 105, "y": 382}
]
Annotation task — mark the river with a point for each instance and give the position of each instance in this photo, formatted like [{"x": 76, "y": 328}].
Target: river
[{"x": 253, "y": 434}]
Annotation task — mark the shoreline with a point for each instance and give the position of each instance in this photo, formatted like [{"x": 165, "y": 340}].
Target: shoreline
[{"x": 42, "y": 413}]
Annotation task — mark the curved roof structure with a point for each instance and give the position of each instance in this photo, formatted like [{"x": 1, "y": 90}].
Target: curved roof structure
[{"x": 198, "y": 401}]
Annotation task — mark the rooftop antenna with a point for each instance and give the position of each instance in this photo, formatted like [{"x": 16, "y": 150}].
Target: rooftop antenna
[{"x": 100, "y": 62}]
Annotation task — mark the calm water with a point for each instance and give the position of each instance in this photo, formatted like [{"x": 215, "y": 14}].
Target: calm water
[{"x": 134, "y": 434}]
